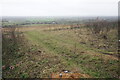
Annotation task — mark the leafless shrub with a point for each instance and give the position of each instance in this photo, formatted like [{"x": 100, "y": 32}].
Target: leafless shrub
[{"x": 101, "y": 27}]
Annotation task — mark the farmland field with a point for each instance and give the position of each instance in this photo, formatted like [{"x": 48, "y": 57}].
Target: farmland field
[{"x": 40, "y": 49}]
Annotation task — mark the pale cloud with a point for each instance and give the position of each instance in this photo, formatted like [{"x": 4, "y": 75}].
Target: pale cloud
[{"x": 59, "y": 7}]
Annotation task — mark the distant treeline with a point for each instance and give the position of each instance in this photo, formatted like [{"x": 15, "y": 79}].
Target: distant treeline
[{"x": 90, "y": 21}]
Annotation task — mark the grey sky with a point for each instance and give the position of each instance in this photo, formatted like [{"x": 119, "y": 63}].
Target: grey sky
[{"x": 59, "y": 7}]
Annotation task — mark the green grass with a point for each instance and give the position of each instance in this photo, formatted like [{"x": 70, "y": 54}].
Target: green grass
[
  {"x": 62, "y": 44},
  {"x": 41, "y": 53}
]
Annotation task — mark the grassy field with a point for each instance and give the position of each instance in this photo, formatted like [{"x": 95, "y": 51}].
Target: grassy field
[{"x": 39, "y": 51}]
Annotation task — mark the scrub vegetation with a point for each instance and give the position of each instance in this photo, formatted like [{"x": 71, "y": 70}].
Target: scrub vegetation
[{"x": 38, "y": 47}]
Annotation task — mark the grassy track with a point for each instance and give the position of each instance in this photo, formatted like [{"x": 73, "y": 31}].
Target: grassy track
[
  {"x": 37, "y": 52},
  {"x": 82, "y": 58}
]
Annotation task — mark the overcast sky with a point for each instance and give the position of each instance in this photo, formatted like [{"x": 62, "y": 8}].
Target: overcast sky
[{"x": 59, "y": 7}]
